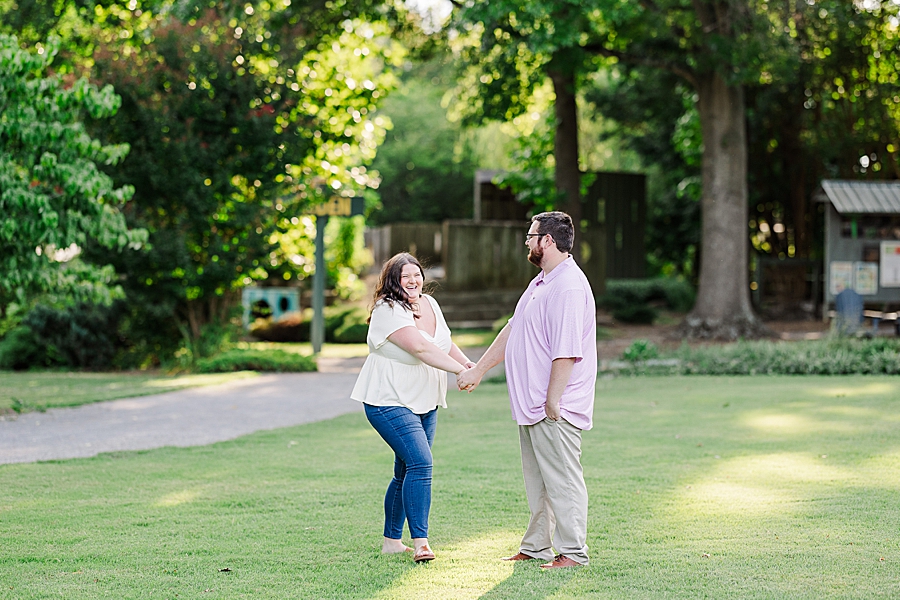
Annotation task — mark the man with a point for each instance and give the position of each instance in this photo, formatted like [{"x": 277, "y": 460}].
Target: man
[{"x": 550, "y": 348}]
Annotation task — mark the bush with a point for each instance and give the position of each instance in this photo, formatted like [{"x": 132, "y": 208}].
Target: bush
[
  {"x": 21, "y": 350},
  {"x": 277, "y": 361},
  {"x": 641, "y": 314},
  {"x": 640, "y": 350},
  {"x": 290, "y": 328},
  {"x": 630, "y": 300},
  {"x": 83, "y": 335},
  {"x": 836, "y": 356},
  {"x": 343, "y": 324},
  {"x": 353, "y": 329}
]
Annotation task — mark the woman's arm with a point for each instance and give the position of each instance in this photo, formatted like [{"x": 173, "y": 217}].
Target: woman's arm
[
  {"x": 457, "y": 355},
  {"x": 410, "y": 340}
]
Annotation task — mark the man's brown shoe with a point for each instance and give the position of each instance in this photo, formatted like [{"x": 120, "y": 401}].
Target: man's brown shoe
[
  {"x": 519, "y": 556},
  {"x": 560, "y": 562}
]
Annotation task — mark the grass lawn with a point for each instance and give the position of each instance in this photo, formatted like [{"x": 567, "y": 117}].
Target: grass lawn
[
  {"x": 40, "y": 390},
  {"x": 700, "y": 487}
]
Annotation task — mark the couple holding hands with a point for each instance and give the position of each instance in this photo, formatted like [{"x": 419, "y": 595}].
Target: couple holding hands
[{"x": 550, "y": 350}]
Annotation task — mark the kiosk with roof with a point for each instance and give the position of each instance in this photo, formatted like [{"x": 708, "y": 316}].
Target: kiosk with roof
[{"x": 862, "y": 245}]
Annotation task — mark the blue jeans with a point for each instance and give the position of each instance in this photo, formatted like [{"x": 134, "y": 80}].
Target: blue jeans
[{"x": 408, "y": 496}]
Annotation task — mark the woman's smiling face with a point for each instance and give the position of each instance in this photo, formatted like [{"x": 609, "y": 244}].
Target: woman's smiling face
[{"x": 411, "y": 280}]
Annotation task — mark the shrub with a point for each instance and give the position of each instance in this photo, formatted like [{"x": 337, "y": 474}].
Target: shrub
[
  {"x": 350, "y": 320},
  {"x": 838, "y": 356},
  {"x": 353, "y": 329},
  {"x": 21, "y": 350},
  {"x": 277, "y": 361},
  {"x": 290, "y": 328},
  {"x": 640, "y": 350},
  {"x": 635, "y": 313},
  {"x": 629, "y": 299},
  {"x": 83, "y": 335}
]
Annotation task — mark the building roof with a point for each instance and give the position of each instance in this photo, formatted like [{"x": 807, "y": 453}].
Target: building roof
[{"x": 859, "y": 197}]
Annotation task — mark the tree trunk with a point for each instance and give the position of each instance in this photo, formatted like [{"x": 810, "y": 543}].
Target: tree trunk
[
  {"x": 565, "y": 144},
  {"x": 795, "y": 171},
  {"x": 723, "y": 309}
]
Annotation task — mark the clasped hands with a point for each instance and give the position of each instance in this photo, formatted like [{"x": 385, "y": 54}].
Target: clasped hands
[{"x": 468, "y": 379}]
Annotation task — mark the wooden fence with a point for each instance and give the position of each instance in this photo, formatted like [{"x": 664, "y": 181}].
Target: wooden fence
[{"x": 489, "y": 255}]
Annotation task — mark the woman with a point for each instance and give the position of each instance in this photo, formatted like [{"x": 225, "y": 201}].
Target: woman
[{"x": 402, "y": 383}]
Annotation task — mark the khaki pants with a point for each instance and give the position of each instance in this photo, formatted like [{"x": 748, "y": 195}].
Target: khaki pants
[{"x": 557, "y": 495}]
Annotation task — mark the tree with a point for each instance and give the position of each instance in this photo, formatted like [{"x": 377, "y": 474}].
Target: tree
[
  {"x": 236, "y": 131},
  {"x": 426, "y": 164},
  {"x": 54, "y": 199},
  {"x": 655, "y": 116},
  {"x": 827, "y": 113},
  {"x": 518, "y": 46}
]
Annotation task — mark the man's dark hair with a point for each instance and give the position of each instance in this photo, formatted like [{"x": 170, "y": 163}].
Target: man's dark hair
[{"x": 559, "y": 226}]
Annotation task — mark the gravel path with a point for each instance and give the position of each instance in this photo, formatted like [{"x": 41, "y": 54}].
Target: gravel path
[{"x": 191, "y": 417}]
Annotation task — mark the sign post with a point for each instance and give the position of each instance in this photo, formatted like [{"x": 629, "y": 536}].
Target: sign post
[{"x": 336, "y": 207}]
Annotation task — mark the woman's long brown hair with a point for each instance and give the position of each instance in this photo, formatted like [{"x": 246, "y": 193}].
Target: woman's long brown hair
[{"x": 389, "y": 288}]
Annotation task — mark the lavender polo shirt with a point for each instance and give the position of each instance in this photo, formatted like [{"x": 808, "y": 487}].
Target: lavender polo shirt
[{"x": 555, "y": 318}]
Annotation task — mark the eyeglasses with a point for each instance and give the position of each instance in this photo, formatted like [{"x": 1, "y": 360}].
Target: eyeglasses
[{"x": 537, "y": 235}]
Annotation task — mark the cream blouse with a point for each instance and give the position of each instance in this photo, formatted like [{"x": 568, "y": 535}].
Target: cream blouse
[{"x": 393, "y": 377}]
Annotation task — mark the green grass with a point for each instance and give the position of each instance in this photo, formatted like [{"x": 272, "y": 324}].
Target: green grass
[
  {"x": 700, "y": 487},
  {"x": 39, "y": 390}
]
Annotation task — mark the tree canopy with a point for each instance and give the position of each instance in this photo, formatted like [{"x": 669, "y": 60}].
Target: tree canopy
[{"x": 54, "y": 199}]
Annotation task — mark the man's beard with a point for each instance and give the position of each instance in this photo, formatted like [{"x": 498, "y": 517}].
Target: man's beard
[{"x": 536, "y": 256}]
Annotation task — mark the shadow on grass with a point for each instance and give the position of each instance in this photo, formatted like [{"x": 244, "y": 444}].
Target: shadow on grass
[{"x": 529, "y": 581}]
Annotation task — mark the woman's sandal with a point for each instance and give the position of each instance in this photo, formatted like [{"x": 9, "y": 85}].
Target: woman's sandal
[{"x": 423, "y": 554}]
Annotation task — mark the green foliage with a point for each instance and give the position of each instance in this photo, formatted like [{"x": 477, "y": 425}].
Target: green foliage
[
  {"x": 630, "y": 299},
  {"x": 831, "y": 111},
  {"x": 344, "y": 324},
  {"x": 532, "y": 179},
  {"x": 640, "y": 350},
  {"x": 54, "y": 199},
  {"x": 21, "y": 349},
  {"x": 290, "y": 328},
  {"x": 837, "y": 356},
  {"x": 353, "y": 328},
  {"x": 238, "y": 126},
  {"x": 426, "y": 163},
  {"x": 277, "y": 361},
  {"x": 831, "y": 357},
  {"x": 347, "y": 318},
  {"x": 83, "y": 336}
]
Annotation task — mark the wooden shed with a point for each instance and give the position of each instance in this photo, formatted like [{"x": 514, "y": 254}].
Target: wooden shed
[{"x": 862, "y": 243}]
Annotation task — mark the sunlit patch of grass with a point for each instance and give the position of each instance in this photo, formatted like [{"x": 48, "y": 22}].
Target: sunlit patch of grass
[
  {"x": 40, "y": 390},
  {"x": 786, "y": 423},
  {"x": 773, "y": 483},
  {"x": 176, "y": 498},
  {"x": 866, "y": 389},
  {"x": 717, "y": 497},
  {"x": 467, "y": 569}
]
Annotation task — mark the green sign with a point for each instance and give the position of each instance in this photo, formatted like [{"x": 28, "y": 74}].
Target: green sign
[{"x": 339, "y": 207}]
